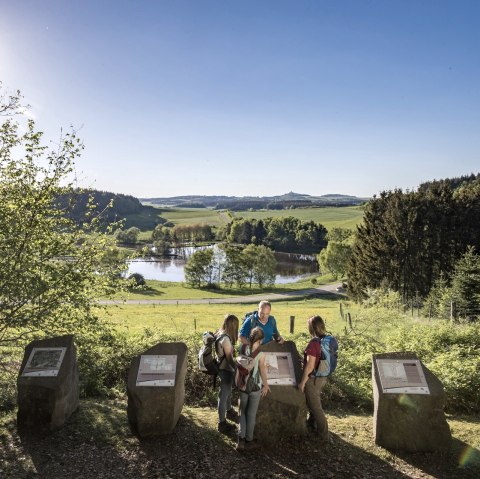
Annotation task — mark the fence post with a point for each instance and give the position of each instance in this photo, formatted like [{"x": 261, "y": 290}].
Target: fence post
[
  {"x": 292, "y": 324},
  {"x": 195, "y": 323},
  {"x": 341, "y": 311},
  {"x": 349, "y": 318}
]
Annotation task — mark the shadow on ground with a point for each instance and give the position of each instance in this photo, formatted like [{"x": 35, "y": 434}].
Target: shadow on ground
[{"x": 97, "y": 443}]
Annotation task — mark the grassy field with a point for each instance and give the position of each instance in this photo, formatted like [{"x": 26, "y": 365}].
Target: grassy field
[
  {"x": 330, "y": 217},
  {"x": 187, "y": 318},
  {"x": 188, "y": 216}
]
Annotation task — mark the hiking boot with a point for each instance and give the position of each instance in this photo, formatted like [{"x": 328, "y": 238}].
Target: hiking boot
[
  {"x": 225, "y": 428},
  {"x": 240, "y": 444},
  {"x": 251, "y": 445},
  {"x": 232, "y": 415},
  {"x": 311, "y": 424}
]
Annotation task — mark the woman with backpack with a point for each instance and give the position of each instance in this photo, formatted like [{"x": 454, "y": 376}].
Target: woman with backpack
[
  {"x": 249, "y": 401},
  {"x": 311, "y": 385},
  {"x": 225, "y": 339}
]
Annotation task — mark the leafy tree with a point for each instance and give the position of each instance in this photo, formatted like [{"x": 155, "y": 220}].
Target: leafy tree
[
  {"x": 162, "y": 239},
  {"x": 199, "y": 268},
  {"x": 335, "y": 257},
  {"x": 51, "y": 269},
  {"x": 234, "y": 270},
  {"x": 129, "y": 236},
  {"x": 259, "y": 264}
]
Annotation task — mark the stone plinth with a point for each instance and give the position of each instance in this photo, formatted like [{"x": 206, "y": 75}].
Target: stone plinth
[
  {"x": 154, "y": 407},
  {"x": 405, "y": 421},
  {"x": 48, "y": 385},
  {"x": 283, "y": 412}
]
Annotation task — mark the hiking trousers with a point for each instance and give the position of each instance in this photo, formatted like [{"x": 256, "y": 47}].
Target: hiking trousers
[
  {"x": 248, "y": 413},
  {"x": 225, "y": 393},
  {"x": 313, "y": 390}
]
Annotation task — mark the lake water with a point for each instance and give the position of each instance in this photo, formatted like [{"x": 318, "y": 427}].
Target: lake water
[{"x": 290, "y": 267}]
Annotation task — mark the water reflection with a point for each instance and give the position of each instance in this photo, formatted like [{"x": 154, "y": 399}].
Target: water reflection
[{"x": 290, "y": 267}]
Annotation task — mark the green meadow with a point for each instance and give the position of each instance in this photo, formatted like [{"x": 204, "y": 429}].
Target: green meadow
[
  {"x": 330, "y": 217},
  {"x": 183, "y": 319},
  {"x": 188, "y": 216}
]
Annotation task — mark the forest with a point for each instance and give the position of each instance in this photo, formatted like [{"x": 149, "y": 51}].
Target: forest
[{"x": 413, "y": 242}]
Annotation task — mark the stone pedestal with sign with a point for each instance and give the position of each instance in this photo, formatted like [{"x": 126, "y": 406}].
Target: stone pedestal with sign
[
  {"x": 283, "y": 412},
  {"x": 48, "y": 386},
  {"x": 408, "y": 405},
  {"x": 156, "y": 389}
]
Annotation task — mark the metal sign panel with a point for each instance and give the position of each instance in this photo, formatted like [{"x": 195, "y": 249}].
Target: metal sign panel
[
  {"x": 157, "y": 370},
  {"x": 402, "y": 376},
  {"x": 280, "y": 370},
  {"x": 44, "y": 362}
]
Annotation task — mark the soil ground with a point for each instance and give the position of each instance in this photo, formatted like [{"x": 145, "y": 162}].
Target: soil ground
[{"x": 97, "y": 443}]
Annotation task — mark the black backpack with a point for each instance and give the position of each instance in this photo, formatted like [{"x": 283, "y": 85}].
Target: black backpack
[{"x": 208, "y": 362}]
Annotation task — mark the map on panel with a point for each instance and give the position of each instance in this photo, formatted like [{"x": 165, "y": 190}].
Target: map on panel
[
  {"x": 44, "y": 362},
  {"x": 403, "y": 376},
  {"x": 157, "y": 370},
  {"x": 280, "y": 370}
]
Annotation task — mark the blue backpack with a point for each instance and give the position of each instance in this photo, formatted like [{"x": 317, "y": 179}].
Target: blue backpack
[{"x": 328, "y": 359}]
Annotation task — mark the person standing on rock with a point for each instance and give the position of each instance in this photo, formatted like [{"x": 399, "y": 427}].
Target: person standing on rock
[
  {"x": 249, "y": 401},
  {"x": 263, "y": 320},
  {"x": 224, "y": 344},
  {"x": 312, "y": 386}
]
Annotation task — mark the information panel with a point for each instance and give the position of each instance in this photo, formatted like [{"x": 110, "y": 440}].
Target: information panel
[
  {"x": 280, "y": 370},
  {"x": 44, "y": 362},
  {"x": 157, "y": 370},
  {"x": 400, "y": 376}
]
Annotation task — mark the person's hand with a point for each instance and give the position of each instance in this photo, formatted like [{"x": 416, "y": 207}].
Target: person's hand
[
  {"x": 301, "y": 386},
  {"x": 265, "y": 390},
  {"x": 280, "y": 340}
]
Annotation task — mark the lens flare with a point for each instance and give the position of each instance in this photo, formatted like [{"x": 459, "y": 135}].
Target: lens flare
[
  {"x": 468, "y": 456},
  {"x": 406, "y": 401}
]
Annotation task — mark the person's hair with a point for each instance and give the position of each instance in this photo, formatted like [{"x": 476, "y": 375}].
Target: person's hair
[
  {"x": 316, "y": 326},
  {"x": 264, "y": 303},
  {"x": 255, "y": 335},
  {"x": 230, "y": 326}
]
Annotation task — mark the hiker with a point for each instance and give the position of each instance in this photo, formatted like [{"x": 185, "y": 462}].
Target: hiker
[
  {"x": 312, "y": 385},
  {"x": 249, "y": 401},
  {"x": 263, "y": 320},
  {"x": 225, "y": 341}
]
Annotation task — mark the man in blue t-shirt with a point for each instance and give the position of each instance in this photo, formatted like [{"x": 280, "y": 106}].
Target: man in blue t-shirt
[{"x": 262, "y": 319}]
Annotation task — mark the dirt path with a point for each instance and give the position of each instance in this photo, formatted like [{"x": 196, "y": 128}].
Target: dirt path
[{"x": 254, "y": 298}]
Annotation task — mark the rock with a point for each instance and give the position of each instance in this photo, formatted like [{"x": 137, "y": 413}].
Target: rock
[
  {"x": 283, "y": 412},
  {"x": 410, "y": 422},
  {"x": 48, "y": 386},
  {"x": 154, "y": 409}
]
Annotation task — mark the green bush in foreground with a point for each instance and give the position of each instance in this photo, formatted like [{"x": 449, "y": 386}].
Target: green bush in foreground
[{"x": 450, "y": 351}]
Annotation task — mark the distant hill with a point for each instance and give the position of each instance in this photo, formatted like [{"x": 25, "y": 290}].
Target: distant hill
[
  {"x": 238, "y": 203},
  {"x": 124, "y": 207}
]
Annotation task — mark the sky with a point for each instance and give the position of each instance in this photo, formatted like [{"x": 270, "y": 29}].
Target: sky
[{"x": 252, "y": 97}]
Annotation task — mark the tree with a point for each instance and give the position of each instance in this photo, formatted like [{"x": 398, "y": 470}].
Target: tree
[
  {"x": 51, "y": 270},
  {"x": 129, "y": 236},
  {"x": 335, "y": 257},
  {"x": 162, "y": 240},
  {"x": 465, "y": 290},
  {"x": 199, "y": 268},
  {"x": 259, "y": 264}
]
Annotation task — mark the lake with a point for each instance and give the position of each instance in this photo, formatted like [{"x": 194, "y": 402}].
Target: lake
[{"x": 290, "y": 267}]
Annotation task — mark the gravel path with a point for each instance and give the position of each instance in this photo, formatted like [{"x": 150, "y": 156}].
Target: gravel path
[{"x": 254, "y": 298}]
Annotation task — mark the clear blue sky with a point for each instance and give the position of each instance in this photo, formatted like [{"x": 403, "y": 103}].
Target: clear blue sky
[{"x": 252, "y": 97}]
